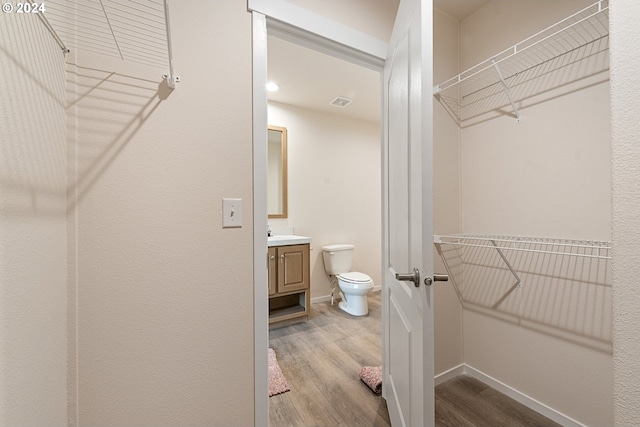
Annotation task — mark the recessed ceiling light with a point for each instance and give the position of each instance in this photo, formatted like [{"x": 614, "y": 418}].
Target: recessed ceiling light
[{"x": 272, "y": 87}]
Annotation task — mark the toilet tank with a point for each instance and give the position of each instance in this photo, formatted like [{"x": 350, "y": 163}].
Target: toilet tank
[{"x": 337, "y": 258}]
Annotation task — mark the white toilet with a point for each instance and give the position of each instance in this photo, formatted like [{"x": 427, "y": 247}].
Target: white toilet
[{"x": 354, "y": 285}]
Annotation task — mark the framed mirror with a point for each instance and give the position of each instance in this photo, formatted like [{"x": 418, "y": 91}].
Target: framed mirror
[{"x": 277, "y": 172}]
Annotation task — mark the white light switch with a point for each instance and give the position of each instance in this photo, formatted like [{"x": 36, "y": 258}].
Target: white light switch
[{"x": 231, "y": 213}]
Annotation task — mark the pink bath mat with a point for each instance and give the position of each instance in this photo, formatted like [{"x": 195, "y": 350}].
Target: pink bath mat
[
  {"x": 277, "y": 382},
  {"x": 372, "y": 377}
]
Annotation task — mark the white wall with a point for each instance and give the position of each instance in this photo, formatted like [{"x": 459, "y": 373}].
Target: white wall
[
  {"x": 33, "y": 336},
  {"x": 547, "y": 176},
  {"x": 161, "y": 295},
  {"x": 446, "y": 197},
  {"x": 625, "y": 93},
  {"x": 334, "y": 187}
]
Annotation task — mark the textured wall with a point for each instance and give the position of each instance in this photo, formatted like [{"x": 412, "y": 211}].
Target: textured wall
[
  {"x": 33, "y": 358},
  {"x": 446, "y": 197},
  {"x": 625, "y": 128},
  {"x": 161, "y": 294},
  {"x": 547, "y": 176}
]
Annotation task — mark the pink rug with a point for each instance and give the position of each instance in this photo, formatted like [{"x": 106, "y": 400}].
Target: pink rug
[
  {"x": 277, "y": 383},
  {"x": 372, "y": 377}
]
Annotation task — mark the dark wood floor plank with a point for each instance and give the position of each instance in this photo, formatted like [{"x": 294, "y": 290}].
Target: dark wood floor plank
[
  {"x": 516, "y": 411},
  {"x": 283, "y": 413},
  {"x": 447, "y": 415},
  {"x": 311, "y": 404},
  {"x": 466, "y": 401}
]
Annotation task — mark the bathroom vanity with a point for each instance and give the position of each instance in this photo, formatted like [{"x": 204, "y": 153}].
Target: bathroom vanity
[{"x": 289, "y": 279}]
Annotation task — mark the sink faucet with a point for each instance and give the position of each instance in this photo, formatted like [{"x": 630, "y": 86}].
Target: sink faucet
[{"x": 268, "y": 230}]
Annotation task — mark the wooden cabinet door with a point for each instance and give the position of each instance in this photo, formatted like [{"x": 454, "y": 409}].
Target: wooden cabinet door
[
  {"x": 293, "y": 268},
  {"x": 273, "y": 270}
]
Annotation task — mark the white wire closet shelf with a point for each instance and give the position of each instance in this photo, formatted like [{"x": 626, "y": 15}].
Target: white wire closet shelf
[
  {"x": 500, "y": 80},
  {"x": 132, "y": 30},
  {"x": 548, "y": 246},
  {"x": 542, "y": 245}
]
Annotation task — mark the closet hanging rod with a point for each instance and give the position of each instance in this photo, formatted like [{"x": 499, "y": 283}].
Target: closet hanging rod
[
  {"x": 489, "y": 243},
  {"x": 53, "y": 32}
]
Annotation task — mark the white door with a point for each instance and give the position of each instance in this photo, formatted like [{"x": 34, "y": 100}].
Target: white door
[{"x": 407, "y": 218}]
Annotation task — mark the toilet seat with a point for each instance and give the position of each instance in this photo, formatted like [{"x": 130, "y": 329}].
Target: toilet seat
[{"x": 355, "y": 277}]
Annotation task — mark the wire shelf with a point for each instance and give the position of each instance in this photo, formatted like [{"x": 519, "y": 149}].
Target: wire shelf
[
  {"x": 132, "y": 30},
  {"x": 562, "y": 286},
  {"x": 551, "y": 246},
  {"x": 483, "y": 87}
]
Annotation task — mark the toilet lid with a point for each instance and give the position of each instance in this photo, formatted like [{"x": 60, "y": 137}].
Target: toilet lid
[{"x": 355, "y": 277}]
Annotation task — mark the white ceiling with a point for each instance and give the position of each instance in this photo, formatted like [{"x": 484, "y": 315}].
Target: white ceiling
[
  {"x": 459, "y": 9},
  {"x": 310, "y": 79}
]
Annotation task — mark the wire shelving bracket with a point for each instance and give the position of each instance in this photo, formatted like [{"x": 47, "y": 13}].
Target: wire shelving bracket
[
  {"x": 506, "y": 261},
  {"x": 50, "y": 28},
  {"x": 506, "y": 90},
  {"x": 475, "y": 90},
  {"x": 171, "y": 77}
]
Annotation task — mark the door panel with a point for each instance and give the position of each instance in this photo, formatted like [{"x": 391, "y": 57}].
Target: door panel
[
  {"x": 400, "y": 339},
  {"x": 407, "y": 207},
  {"x": 399, "y": 159}
]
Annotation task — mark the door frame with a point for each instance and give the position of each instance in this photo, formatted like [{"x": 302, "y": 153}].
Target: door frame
[{"x": 301, "y": 26}]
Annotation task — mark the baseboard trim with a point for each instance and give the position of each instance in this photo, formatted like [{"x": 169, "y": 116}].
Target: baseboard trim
[
  {"x": 322, "y": 299},
  {"x": 325, "y": 298},
  {"x": 518, "y": 396},
  {"x": 449, "y": 374}
]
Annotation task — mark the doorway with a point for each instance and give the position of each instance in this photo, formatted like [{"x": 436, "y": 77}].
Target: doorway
[
  {"x": 342, "y": 41},
  {"x": 334, "y": 194}
]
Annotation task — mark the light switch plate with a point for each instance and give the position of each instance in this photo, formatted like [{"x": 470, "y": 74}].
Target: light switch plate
[{"x": 231, "y": 213}]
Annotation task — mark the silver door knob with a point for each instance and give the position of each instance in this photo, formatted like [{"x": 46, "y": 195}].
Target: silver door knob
[
  {"x": 436, "y": 278},
  {"x": 411, "y": 277}
]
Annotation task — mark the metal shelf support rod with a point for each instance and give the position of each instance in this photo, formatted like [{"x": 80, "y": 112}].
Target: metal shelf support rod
[
  {"x": 506, "y": 90},
  {"x": 55, "y": 35},
  {"x": 506, "y": 261}
]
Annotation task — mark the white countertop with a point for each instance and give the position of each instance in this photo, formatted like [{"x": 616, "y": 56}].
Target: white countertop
[{"x": 286, "y": 240}]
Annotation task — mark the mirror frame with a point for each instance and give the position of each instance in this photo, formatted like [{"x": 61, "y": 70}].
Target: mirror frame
[{"x": 285, "y": 192}]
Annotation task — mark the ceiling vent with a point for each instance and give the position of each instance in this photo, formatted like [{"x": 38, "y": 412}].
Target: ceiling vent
[{"x": 341, "y": 102}]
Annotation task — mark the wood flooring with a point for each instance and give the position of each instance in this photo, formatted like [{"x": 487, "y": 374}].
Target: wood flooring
[
  {"x": 321, "y": 359},
  {"x": 466, "y": 402}
]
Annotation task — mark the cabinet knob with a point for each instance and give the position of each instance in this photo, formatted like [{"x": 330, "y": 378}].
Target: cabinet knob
[{"x": 272, "y": 257}]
